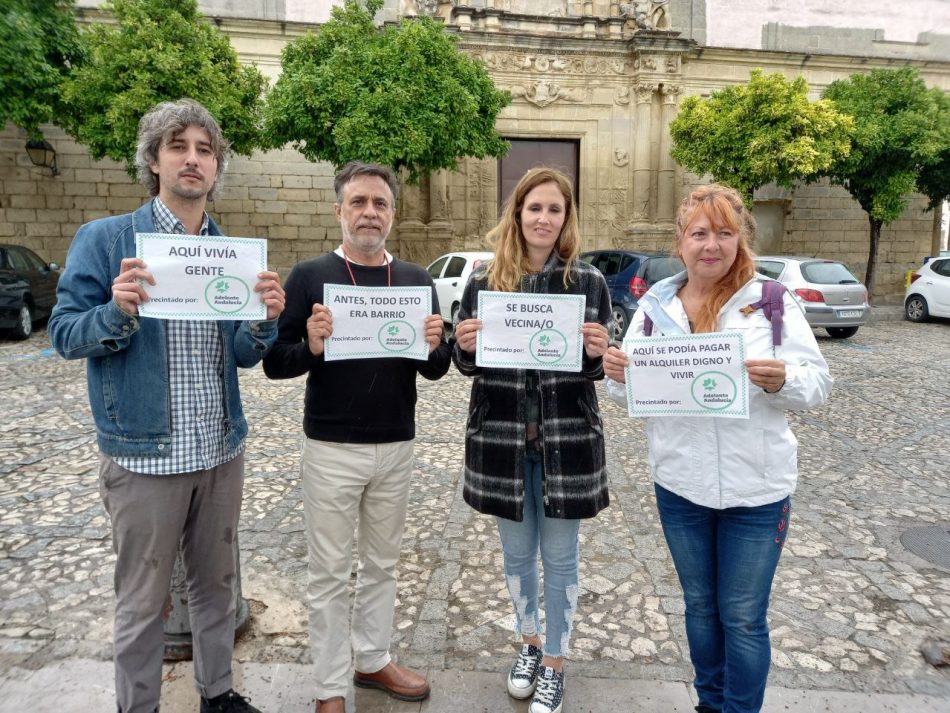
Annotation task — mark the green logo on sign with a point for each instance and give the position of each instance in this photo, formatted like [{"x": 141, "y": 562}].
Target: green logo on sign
[
  {"x": 227, "y": 294},
  {"x": 548, "y": 346},
  {"x": 396, "y": 336},
  {"x": 714, "y": 391}
]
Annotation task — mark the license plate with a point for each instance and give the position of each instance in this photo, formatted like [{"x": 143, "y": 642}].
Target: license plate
[{"x": 849, "y": 313}]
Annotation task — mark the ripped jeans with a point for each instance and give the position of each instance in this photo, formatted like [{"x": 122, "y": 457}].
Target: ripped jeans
[{"x": 557, "y": 540}]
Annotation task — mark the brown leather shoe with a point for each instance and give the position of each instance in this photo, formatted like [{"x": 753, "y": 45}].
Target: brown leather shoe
[
  {"x": 400, "y": 683},
  {"x": 337, "y": 704}
]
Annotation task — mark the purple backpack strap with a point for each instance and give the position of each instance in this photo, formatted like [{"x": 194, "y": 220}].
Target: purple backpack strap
[{"x": 772, "y": 305}]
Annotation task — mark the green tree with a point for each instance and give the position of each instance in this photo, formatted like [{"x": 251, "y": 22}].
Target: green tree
[
  {"x": 159, "y": 50},
  {"x": 901, "y": 131},
  {"x": 402, "y": 96},
  {"x": 765, "y": 131},
  {"x": 933, "y": 180},
  {"x": 39, "y": 43}
]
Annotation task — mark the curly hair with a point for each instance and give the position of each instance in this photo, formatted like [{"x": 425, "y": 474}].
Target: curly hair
[
  {"x": 164, "y": 122},
  {"x": 723, "y": 207},
  {"x": 510, "y": 263}
]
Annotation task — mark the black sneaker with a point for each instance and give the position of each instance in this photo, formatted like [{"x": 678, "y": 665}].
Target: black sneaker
[
  {"x": 229, "y": 702},
  {"x": 549, "y": 693},
  {"x": 705, "y": 709},
  {"x": 524, "y": 673}
]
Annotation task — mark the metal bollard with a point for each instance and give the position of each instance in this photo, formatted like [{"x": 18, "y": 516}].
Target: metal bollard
[{"x": 175, "y": 613}]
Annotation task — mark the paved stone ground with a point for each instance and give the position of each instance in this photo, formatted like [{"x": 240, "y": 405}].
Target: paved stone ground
[{"x": 850, "y": 607}]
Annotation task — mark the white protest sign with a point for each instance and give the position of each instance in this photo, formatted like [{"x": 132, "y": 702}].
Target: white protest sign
[
  {"x": 203, "y": 277},
  {"x": 374, "y": 322},
  {"x": 689, "y": 375},
  {"x": 530, "y": 331}
]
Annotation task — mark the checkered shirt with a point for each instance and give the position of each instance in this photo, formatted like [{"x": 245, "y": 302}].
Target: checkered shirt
[{"x": 195, "y": 365}]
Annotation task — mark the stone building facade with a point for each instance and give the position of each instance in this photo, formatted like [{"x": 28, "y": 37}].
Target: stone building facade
[{"x": 601, "y": 77}]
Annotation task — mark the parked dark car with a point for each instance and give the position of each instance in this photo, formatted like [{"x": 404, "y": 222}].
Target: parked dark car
[
  {"x": 629, "y": 274},
  {"x": 27, "y": 289}
]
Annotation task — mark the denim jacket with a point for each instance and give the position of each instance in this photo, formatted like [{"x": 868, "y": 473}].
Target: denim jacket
[{"x": 127, "y": 358}]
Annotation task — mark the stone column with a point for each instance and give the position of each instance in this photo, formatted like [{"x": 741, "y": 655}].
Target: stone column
[
  {"x": 439, "y": 230},
  {"x": 642, "y": 170},
  {"x": 665, "y": 185}
]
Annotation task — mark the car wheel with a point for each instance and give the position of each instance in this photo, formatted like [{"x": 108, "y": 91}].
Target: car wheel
[
  {"x": 24, "y": 323},
  {"x": 915, "y": 309},
  {"x": 842, "y": 332},
  {"x": 621, "y": 322}
]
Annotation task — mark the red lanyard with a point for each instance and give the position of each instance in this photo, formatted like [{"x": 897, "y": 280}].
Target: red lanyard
[{"x": 389, "y": 270}]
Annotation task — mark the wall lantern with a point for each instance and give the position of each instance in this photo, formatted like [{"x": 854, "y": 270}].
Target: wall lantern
[{"x": 42, "y": 154}]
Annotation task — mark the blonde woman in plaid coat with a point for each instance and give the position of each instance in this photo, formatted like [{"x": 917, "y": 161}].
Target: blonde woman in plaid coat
[{"x": 534, "y": 445}]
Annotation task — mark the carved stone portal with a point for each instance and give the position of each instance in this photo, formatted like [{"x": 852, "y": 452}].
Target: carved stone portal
[
  {"x": 647, "y": 14},
  {"x": 544, "y": 93}
]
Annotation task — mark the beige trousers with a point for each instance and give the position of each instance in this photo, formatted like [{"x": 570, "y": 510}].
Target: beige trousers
[{"x": 352, "y": 489}]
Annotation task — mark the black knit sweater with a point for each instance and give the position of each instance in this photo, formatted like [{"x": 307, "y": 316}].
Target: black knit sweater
[{"x": 352, "y": 400}]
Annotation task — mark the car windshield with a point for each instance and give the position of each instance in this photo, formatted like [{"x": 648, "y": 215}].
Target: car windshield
[{"x": 827, "y": 273}]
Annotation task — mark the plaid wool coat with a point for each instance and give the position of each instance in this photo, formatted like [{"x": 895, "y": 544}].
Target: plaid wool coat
[{"x": 572, "y": 433}]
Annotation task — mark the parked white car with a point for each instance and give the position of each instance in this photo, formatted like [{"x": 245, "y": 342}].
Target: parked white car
[
  {"x": 450, "y": 273},
  {"x": 928, "y": 294},
  {"x": 831, "y": 296}
]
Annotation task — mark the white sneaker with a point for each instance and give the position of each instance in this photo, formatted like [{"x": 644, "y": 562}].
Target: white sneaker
[
  {"x": 549, "y": 693},
  {"x": 524, "y": 672}
]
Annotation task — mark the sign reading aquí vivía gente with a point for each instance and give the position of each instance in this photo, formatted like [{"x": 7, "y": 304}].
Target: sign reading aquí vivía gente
[
  {"x": 528, "y": 331},
  {"x": 374, "y": 322},
  {"x": 690, "y": 375},
  {"x": 206, "y": 277}
]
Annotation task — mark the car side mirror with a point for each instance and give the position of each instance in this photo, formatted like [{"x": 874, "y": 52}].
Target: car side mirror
[{"x": 53, "y": 267}]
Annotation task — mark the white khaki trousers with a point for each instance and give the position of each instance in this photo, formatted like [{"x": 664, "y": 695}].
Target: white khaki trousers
[{"x": 349, "y": 489}]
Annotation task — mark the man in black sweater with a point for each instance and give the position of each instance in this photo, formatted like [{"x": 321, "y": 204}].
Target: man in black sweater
[{"x": 359, "y": 419}]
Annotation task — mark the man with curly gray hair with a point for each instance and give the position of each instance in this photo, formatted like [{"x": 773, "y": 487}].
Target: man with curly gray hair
[{"x": 169, "y": 422}]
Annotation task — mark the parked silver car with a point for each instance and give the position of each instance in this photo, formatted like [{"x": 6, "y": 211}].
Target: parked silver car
[{"x": 832, "y": 297}]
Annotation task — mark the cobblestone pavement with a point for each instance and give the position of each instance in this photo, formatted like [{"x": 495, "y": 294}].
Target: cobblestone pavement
[{"x": 850, "y": 609}]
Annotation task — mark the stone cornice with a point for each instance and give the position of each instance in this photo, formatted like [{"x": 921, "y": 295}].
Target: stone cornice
[{"x": 805, "y": 61}]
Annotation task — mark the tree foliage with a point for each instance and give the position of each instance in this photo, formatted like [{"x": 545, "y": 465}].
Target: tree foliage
[
  {"x": 401, "y": 96},
  {"x": 902, "y": 129},
  {"x": 933, "y": 180},
  {"x": 159, "y": 50},
  {"x": 39, "y": 43},
  {"x": 765, "y": 131}
]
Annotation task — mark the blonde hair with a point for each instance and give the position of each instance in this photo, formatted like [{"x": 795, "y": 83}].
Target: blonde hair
[
  {"x": 510, "y": 263},
  {"x": 723, "y": 207}
]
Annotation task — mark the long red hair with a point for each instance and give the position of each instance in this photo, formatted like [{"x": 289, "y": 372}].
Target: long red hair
[{"x": 723, "y": 207}]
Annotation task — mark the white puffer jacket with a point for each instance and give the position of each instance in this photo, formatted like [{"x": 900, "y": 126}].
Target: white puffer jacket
[{"x": 726, "y": 462}]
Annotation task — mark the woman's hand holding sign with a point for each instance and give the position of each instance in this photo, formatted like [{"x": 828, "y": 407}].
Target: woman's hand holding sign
[
  {"x": 596, "y": 339},
  {"x": 615, "y": 361},
  {"x": 466, "y": 334}
]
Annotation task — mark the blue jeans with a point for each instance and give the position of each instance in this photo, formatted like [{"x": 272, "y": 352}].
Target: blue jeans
[
  {"x": 557, "y": 540},
  {"x": 726, "y": 560}
]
